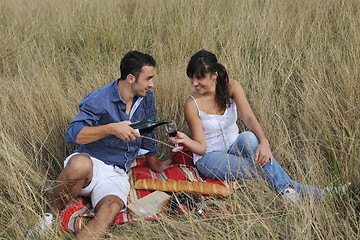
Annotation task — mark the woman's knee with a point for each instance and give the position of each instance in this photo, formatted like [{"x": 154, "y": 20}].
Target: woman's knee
[
  {"x": 249, "y": 138},
  {"x": 246, "y": 143}
]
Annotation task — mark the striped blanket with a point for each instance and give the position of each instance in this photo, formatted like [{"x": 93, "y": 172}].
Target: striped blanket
[{"x": 76, "y": 215}]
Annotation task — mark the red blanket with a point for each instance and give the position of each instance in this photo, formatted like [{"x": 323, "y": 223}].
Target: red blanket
[{"x": 75, "y": 216}]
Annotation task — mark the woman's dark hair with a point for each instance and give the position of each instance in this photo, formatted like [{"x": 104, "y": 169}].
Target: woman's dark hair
[
  {"x": 204, "y": 62},
  {"x": 133, "y": 62}
]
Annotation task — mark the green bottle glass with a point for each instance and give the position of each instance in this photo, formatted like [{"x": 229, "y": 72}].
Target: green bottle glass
[{"x": 146, "y": 126}]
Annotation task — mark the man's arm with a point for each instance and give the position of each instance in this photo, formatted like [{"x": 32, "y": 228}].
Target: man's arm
[
  {"x": 121, "y": 130},
  {"x": 156, "y": 165},
  {"x": 85, "y": 128}
]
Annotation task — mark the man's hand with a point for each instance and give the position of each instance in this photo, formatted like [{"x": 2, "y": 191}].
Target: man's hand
[
  {"x": 123, "y": 131},
  {"x": 161, "y": 166},
  {"x": 156, "y": 165}
]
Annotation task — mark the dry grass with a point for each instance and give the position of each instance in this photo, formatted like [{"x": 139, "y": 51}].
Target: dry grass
[{"x": 297, "y": 60}]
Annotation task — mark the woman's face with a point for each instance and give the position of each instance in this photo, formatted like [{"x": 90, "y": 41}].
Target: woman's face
[{"x": 206, "y": 84}]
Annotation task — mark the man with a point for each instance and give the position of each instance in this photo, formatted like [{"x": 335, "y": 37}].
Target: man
[{"x": 108, "y": 145}]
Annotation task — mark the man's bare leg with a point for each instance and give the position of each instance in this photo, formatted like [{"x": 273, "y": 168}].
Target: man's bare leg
[
  {"x": 76, "y": 175},
  {"x": 106, "y": 211}
]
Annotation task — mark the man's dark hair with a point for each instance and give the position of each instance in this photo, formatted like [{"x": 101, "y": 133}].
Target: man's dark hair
[{"x": 132, "y": 63}]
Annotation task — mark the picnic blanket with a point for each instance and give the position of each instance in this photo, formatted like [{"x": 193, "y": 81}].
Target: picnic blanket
[{"x": 76, "y": 215}]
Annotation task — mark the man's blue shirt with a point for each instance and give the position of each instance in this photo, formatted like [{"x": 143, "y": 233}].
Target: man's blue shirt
[{"x": 104, "y": 106}]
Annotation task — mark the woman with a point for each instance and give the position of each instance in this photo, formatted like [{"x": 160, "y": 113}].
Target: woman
[{"x": 220, "y": 152}]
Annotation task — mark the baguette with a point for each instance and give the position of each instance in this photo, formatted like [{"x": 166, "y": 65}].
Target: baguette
[{"x": 171, "y": 185}]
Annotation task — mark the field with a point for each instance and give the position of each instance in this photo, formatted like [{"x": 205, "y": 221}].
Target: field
[{"x": 298, "y": 61}]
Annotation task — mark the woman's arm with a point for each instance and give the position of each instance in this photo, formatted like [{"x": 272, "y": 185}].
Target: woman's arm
[
  {"x": 263, "y": 153},
  {"x": 197, "y": 144}
]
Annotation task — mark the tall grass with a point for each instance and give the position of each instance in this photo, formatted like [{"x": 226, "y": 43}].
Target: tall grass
[{"x": 297, "y": 60}]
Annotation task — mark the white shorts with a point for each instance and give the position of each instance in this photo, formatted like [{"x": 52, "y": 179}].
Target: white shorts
[{"x": 105, "y": 181}]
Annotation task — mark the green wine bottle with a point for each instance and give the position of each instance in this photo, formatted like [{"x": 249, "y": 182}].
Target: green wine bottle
[{"x": 146, "y": 126}]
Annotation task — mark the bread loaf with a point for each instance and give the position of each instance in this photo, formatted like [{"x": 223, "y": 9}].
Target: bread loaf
[{"x": 171, "y": 185}]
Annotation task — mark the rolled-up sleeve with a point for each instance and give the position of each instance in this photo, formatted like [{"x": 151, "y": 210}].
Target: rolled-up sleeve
[{"x": 86, "y": 117}]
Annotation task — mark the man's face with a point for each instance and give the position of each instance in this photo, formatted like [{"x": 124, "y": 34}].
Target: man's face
[{"x": 144, "y": 81}]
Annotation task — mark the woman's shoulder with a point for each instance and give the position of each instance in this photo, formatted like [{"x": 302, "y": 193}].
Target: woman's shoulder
[
  {"x": 234, "y": 83},
  {"x": 235, "y": 87},
  {"x": 190, "y": 100},
  {"x": 190, "y": 105},
  {"x": 193, "y": 97}
]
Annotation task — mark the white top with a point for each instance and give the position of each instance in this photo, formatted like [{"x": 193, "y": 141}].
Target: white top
[{"x": 220, "y": 131}]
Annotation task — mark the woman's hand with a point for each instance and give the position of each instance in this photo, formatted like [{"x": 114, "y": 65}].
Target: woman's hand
[
  {"x": 193, "y": 145},
  {"x": 263, "y": 155},
  {"x": 179, "y": 138}
]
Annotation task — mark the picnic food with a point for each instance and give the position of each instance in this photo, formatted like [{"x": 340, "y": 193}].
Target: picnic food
[
  {"x": 181, "y": 203},
  {"x": 171, "y": 185}
]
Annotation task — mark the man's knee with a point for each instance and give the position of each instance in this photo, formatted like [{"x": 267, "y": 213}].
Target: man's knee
[
  {"x": 79, "y": 167},
  {"x": 110, "y": 206}
]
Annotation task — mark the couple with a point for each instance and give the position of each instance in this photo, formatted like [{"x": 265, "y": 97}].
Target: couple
[{"x": 108, "y": 145}]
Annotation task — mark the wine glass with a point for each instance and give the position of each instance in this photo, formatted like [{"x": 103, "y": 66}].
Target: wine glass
[{"x": 171, "y": 130}]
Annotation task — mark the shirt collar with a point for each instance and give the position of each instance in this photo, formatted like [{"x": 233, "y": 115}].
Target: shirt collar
[
  {"x": 135, "y": 105},
  {"x": 116, "y": 94}
]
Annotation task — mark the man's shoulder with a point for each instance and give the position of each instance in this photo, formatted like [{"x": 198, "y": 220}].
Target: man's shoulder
[
  {"x": 103, "y": 91},
  {"x": 107, "y": 88},
  {"x": 99, "y": 96}
]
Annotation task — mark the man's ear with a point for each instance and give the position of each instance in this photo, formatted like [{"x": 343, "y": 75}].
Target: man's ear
[{"x": 130, "y": 78}]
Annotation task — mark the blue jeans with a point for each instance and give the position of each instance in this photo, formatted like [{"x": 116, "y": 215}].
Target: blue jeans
[{"x": 238, "y": 163}]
